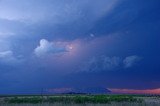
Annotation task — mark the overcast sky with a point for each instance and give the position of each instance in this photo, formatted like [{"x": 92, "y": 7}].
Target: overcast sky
[{"x": 79, "y": 43}]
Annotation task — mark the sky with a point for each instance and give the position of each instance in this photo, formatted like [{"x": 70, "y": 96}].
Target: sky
[{"x": 55, "y": 44}]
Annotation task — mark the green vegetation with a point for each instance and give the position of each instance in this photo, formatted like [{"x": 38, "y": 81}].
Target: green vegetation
[
  {"x": 77, "y": 99},
  {"x": 80, "y": 100}
]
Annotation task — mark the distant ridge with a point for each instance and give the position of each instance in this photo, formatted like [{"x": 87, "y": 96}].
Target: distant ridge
[{"x": 87, "y": 90}]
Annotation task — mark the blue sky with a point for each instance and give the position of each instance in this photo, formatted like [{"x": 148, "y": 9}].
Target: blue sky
[{"x": 87, "y": 43}]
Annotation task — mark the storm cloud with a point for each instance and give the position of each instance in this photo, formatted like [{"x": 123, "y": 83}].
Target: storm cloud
[{"x": 63, "y": 44}]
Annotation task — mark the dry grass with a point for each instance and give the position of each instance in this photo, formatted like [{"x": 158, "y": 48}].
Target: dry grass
[
  {"x": 146, "y": 101},
  {"x": 91, "y": 104}
]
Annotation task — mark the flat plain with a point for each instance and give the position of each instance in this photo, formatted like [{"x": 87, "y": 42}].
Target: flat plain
[{"x": 80, "y": 100}]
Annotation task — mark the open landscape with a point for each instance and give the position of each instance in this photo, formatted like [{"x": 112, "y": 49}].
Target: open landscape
[
  {"x": 80, "y": 100},
  {"x": 79, "y": 52}
]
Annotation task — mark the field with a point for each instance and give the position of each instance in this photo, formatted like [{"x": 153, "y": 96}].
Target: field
[{"x": 80, "y": 100}]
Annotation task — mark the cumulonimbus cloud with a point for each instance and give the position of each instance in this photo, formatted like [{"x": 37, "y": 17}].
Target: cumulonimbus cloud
[{"x": 45, "y": 48}]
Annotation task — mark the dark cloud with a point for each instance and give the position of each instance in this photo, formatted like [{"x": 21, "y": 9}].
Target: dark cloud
[{"x": 51, "y": 39}]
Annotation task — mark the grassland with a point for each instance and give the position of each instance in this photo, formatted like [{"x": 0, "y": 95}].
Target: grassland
[{"x": 80, "y": 100}]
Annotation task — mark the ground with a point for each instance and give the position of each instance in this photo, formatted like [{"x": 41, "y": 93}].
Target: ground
[{"x": 80, "y": 100}]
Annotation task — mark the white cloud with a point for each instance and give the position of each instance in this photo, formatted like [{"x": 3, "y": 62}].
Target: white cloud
[
  {"x": 111, "y": 62},
  {"x": 46, "y": 48},
  {"x": 131, "y": 60},
  {"x": 6, "y": 54},
  {"x": 102, "y": 63},
  {"x": 105, "y": 63},
  {"x": 7, "y": 57},
  {"x": 6, "y": 34}
]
